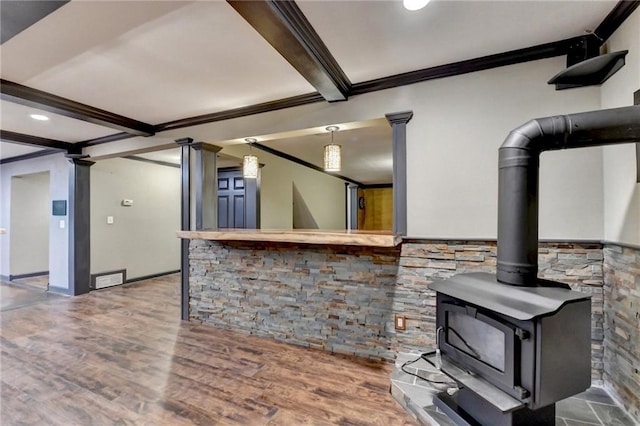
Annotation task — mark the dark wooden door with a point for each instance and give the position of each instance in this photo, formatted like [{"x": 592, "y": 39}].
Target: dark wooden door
[{"x": 231, "y": 199}]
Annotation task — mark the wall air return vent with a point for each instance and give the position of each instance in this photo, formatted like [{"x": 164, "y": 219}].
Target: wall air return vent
[{"x": 108, "y": 279}]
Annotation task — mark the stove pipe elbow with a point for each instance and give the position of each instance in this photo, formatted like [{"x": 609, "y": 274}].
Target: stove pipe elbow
[{"x": 519, "y": 160}]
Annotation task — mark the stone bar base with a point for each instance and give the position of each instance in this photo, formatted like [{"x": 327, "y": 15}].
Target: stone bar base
[{"x": 335, "y": 298}]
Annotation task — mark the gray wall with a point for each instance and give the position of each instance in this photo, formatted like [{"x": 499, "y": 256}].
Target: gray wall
[
  {"x": 142, "y": 238},
  {"x": 29, "y": 229}
]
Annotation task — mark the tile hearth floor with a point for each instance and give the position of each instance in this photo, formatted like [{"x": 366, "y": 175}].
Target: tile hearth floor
[{"x": 592, "y": 407}]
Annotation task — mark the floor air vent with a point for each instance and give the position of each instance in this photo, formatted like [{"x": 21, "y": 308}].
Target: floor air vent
[{"x": 108, "y": 279}]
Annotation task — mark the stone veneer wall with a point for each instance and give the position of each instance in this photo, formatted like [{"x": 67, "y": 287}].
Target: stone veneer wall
[
  {"x": 343, "y": 299},
  {"x": 335, "y": 298},
  {"x": 622, "y": 325},
  {"x": 421, "y": 262}
]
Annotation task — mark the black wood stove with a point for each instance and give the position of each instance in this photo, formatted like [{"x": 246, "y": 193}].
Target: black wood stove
[{"x": 514, "y": 343}]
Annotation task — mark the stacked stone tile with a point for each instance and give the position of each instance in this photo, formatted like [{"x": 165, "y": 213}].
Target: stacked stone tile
[
  {"x": 333, "y": 298},
  {"x": 421, "y": 262},
  {"x": 343, "y": 299},
  {"x": 622, "y": 324}
]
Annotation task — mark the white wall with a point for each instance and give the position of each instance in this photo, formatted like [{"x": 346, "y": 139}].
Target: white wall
[
  {"x": 324, "y": 194},
  {"x": 58, "y": 168},
  {"x": 452, "y": 144},
  {"x": 142, "y": 239},
  {"x": 30, "y": 217},
  {"x": 621, "y": 192},
  {"x": 453, "y": 154}
]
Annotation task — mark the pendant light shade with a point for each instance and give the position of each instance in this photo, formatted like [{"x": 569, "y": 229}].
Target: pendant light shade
[
  {"x": 332, "y": 154},
  {"x": 250, "y": 163},
  {"x": 250, "y": 166}
]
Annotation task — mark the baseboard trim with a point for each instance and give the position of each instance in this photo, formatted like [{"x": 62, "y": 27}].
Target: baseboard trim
[
  {"x": 148, "y": 277},
  {"x": 29, "y": 275},
  {"x": 60, "y": 290}
]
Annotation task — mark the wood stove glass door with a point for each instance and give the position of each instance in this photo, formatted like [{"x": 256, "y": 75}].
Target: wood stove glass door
[{"x": 481, "y": 343}]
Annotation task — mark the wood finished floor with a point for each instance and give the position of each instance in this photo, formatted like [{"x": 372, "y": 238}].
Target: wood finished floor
[
  {"x": 122, "y": 356},
  {"x": 40, "y": 282}
]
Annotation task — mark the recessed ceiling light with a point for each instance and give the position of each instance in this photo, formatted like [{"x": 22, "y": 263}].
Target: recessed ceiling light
[
  {"x": 414, "y": 4},
  {"x": 39, "y": 117}
]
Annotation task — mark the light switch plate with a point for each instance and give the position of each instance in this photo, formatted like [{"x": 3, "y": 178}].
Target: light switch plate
[{"x": 109, "y": 220}]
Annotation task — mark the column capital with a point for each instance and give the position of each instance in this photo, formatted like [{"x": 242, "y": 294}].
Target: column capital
[
  {"x": 399, "y": 117},
  {"x": 205, "y": 147},
  {"x": 81, "y": 161},
  {"x": 184, "y": 141}
]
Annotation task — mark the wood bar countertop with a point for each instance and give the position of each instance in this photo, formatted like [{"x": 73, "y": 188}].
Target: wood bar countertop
[{"x": 304, "y": 236}]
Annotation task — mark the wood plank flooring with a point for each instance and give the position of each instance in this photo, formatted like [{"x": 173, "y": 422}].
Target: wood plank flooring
[
  {"x": 40, "y": 282},
  {"x": 122, "y": 356}
]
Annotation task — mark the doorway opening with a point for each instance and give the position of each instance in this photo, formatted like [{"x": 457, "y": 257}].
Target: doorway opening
[{"x": 30, "y": 225}]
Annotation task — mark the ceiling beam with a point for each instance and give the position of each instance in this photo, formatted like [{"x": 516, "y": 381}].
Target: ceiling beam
[
  {"x": 30, "y": 140},
  {"x": 17, "y": 16},
  {"x": 541, "y": 51},
  {"x": 284, "y": 26},
  {"x": 23, "y": 95},
  {"x": 105, "y": 139},
  {"x": 622, "y": 10},
  {"x": 29, "y": 156},
  {"x": 293, "y": 101}
]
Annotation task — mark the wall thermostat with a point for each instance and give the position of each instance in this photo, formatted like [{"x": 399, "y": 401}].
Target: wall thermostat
[{"x": 127, "y": 203}]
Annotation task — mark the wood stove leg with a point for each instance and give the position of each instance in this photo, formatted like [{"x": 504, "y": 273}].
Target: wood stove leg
[{"x": 466, "y": 408}]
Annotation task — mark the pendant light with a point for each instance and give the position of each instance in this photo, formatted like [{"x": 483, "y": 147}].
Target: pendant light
[
  {"x": 250, "y": 162},
  {"x": 332, "y": 153}
]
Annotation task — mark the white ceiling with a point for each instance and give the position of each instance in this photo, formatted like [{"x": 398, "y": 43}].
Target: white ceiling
[
  {"x": 192, "y": 59},
  {"x": 158, "y": 61},
  {"x": 15, "y": 117},
  {"x": 366, "y": 152},
  {"x": 373, "y": 39}
]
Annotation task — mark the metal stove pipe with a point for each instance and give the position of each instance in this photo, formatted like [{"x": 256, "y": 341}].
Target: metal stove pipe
[{"x": 518, "y": 178}]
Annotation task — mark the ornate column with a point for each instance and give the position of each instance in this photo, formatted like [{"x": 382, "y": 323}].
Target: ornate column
[
  {"x": 206, "y": 185},
  {"x": 185, "y": 219},
  {"x": 79, "y": 225},
  {"x": 398, "y": 122}
]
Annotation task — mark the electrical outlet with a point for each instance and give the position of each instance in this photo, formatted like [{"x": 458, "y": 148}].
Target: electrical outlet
[{"x": 401, "y": 322}]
